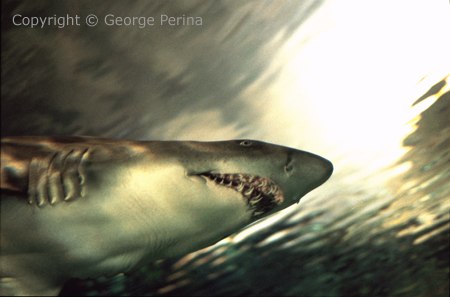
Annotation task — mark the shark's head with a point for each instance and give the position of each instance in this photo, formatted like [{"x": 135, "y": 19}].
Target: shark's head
[
  {"x": 267, "y": 177},
  {"x": 263, "y": 176},
  {"x": 209, "y": 190}
]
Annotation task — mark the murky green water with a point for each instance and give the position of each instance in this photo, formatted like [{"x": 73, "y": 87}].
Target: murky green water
[{"x": 343, "y": 80}]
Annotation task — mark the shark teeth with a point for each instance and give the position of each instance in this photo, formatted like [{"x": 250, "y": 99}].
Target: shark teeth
[{"x": 261, "y": 193}]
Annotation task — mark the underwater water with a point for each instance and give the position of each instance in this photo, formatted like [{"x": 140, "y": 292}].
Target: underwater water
[{"x": 364, "y": 85}]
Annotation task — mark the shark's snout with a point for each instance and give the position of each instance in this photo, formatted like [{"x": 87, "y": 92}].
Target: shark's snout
[
  {"x": 308, "y": 170},
  {"x": 320, "y": 170},
  {"x": 326, "y": 167}
]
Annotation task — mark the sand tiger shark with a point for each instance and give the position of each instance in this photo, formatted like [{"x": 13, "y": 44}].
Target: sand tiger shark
[{"x": 89, "y": 207}]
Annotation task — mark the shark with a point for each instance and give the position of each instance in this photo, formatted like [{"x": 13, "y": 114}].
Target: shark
[{"x": 85, "y": 207}]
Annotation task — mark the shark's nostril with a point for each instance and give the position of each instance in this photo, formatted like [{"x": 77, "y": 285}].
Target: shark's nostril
[{"x": 289, "y": 167}]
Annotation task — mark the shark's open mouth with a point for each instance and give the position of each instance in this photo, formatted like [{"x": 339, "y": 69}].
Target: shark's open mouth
[{"x": 261, "y": 193}]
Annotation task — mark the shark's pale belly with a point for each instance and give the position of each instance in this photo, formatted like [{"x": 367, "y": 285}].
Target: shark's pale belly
[{"x": 109, "y": 230}]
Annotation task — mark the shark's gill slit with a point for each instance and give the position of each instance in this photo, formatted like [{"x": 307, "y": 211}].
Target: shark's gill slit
[{"x": 260, "y": 193}]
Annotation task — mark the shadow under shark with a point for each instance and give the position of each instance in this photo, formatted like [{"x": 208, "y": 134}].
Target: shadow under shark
[{"x": 89, "y": 207}]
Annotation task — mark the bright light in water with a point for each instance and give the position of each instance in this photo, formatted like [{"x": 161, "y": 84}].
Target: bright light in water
[{"x": 350, "y": 75}]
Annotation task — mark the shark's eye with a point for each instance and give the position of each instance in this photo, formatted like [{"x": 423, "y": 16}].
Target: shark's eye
[{"x": 246, "y": 143}]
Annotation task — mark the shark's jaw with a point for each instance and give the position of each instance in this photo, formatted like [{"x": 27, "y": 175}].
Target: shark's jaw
[{"x": 261, "y": 194}]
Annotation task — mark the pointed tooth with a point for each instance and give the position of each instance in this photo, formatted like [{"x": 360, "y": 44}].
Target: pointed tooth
[
  {"x": 272, "y": 190},
  {"x": 240, "y": 187},
  {"x": 279, "y": 198},
  {"x": 259, "y": 196},
  {"x": 255, "y": 201},
  {"x": 249, "y": 191},
  {"x": 276, "y": 188}
]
